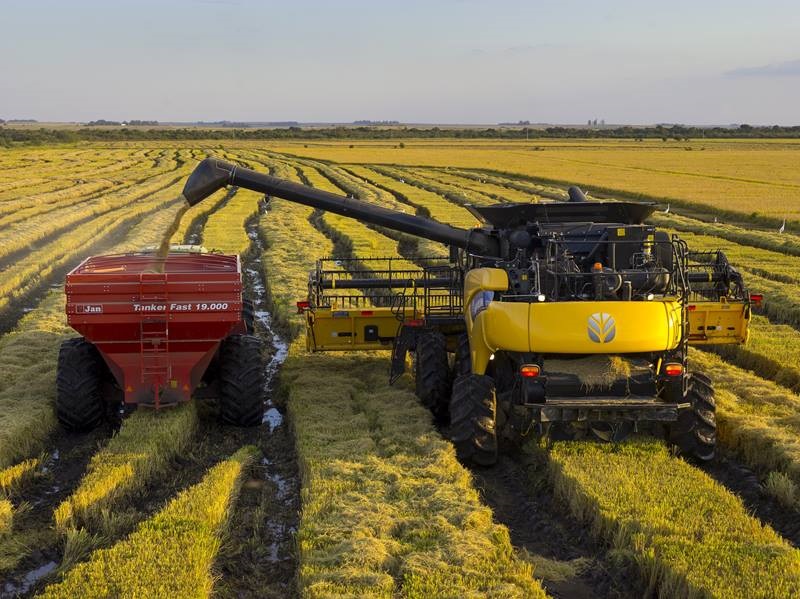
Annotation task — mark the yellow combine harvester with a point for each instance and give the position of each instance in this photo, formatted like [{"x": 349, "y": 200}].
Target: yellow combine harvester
[{"x": 562, "y": 318}]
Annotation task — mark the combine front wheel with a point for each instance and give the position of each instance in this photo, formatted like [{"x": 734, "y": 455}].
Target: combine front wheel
[
  {"x": 473, "y": 408},
  {"x": 241, "y": 381},
  {"x": 432, "y": 372},
  {"x": 695, "y": 432},
  {"x": 79, "y": 384}
]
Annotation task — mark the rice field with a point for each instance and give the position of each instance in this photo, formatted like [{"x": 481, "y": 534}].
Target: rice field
[{"x": 348, "y": 488}]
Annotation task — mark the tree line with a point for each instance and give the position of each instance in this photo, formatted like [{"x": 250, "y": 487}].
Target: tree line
[{"x": 10, "y": 136}]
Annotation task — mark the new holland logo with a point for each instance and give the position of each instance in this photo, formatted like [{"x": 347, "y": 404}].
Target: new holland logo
[{"x": 602, "y": 327}]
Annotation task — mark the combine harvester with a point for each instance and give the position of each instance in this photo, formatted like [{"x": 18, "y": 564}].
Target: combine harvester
[{"x": 560, "y": 318}]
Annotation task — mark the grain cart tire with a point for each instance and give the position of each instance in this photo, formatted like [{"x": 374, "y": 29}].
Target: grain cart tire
[
  {"x": 249, "y": 316},
  {"x": 241, "y": 381},
  {"x": 695, "y": 432},
  {"x": 473, "y": 408},
  {"x": 463, "y": 361},
  {"x": 432, "y": 372},
  {"x": 79, "y": 386}
]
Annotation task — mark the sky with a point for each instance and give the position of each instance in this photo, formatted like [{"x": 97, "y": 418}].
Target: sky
[{"x": 435, "y": 61}]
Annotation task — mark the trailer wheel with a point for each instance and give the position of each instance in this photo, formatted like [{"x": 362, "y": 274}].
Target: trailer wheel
[
  {"x": 241, "y": 381},
  {"x": 432, "y": 372},
  {"x": 79, "y": 386},
  {"x": 695, "y": 432},
  {"x": 249, "y": 316},
  {"x": 473, "y": 408}
]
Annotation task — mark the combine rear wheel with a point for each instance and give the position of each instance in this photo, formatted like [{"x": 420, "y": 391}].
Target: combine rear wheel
[
  {"x": 473, "y": 408},
  {"x": 695, "y": 432},
  {"x": 79, "y": 383},
  {"x": 432, "y": 372},
  {"x": 463, "y": 362},
  {"x": 241, "y": 381}
]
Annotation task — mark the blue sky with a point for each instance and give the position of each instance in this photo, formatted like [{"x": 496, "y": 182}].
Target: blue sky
[{"x": 446, "y": 61}]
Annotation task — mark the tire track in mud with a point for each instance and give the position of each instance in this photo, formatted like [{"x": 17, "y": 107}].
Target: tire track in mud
[
  {"x": 517, "y": 490},
  {"x": 258, "y": 558}
]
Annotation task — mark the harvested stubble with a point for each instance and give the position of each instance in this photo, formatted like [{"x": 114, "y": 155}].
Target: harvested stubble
[
  {"x": 225, "y": 228},
  {"x": 140, "y": 451},
  {"x": 438, "y": 207},
  {"x": 777, "y": 242},
  {"x": 772, "y": 352},
  {"x": 172, "y": 553},
  {"x": 687, "y": 534},
  {"x": 6, "y": 517},
  {"x": 13, "y": 477},
  {"x": 756, "y": 418}
]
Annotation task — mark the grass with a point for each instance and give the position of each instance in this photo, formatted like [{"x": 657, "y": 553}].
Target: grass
[
  {"x": 137, "y": 454},
  {"x": 170, "y": 554},
  {"x": 686, "y": 533},
  {"x": 6, "y": 517}
]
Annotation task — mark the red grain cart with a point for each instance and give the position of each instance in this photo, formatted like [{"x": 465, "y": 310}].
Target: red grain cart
[{"x": 154, "y": 330}]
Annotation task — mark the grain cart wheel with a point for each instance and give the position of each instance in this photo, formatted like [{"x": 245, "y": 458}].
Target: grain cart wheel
[
  {"x": 432, "y": 371},
  {"x": 241, "y": 381},
  {"x": 695, "y": 432},
  {"x": 79, "y": 384},
  {"x": 473, "y": 419},
  {"x": 249, "y": 316}
]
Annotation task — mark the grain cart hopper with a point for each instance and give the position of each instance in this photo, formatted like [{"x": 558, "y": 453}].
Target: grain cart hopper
[
  {"x": 154, "y": 330},
  {"x": 563, "y": 317}
]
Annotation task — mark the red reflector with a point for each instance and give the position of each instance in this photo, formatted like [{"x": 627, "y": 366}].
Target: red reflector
[
  {"x": 367, "y": 312},
  {"x": 673, "y": 369},
  {"x": 414, "y": 323},
  {"x": 756, "y": 298},
  {"x": 529, "y": 370},
  {"x": 691, "y": 308},
  {"x": 302, "y": 307}
]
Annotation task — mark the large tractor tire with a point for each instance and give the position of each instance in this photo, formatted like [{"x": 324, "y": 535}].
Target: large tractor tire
[
  {"x": 695, "y": 432},
  {"x": 432, "y": 372},
  {"x": 249, "y": 316},
  {"x": 463, "y": 361},
  {"x": 241, "y": 381},
  {"x": 473, "y": 409},
  {"x": 80, "y": 406}
]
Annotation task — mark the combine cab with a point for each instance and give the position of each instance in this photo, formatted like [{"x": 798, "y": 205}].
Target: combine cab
[{"x": 154, "y": 330}]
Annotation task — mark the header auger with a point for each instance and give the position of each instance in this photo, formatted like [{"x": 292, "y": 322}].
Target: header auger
[{"x": 564, "y": 318}]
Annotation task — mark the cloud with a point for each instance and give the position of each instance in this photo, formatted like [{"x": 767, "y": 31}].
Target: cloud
[{"x": 790, "y": 68}]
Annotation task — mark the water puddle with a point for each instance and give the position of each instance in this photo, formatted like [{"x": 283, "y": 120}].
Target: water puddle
[{"x": 11, "y": 589}]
